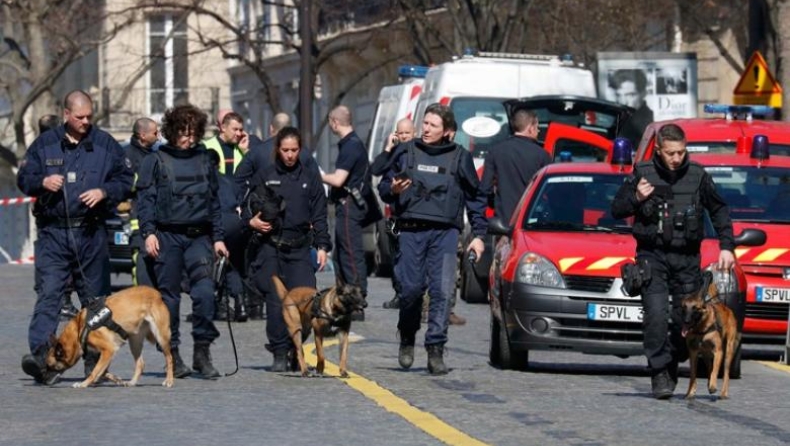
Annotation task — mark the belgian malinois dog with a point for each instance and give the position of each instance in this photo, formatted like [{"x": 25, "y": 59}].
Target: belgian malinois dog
[
  {"x": 710, "y": 329},
  {"x": 327, "y": 313},
  {"x": 140, "y": 312}
]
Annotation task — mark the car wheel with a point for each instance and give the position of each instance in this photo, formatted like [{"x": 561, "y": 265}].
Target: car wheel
[
  {"x": 508, "y": 359},
  {"x": 493, "y": 348},
  {"x": 382, "y": 257},
  {"x": 472, "y": 290}
]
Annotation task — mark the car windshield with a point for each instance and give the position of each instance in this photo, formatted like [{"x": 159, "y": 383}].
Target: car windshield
[
  {"x": 730, "y": 147},
  {"x": 575, "y": 202},
  {"x": 754, "y": 194},
  {"x": 482, "y": 122}
]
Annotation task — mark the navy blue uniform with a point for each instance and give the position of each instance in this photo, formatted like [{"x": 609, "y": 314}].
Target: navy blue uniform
[
  {"x": 509, "y": 166},
  {"x": 236, "y": 234},
  {"x": 286, "y": 250},
  {"x": 349, "y": 256},
  {"x": 179, "y": 203},
  {"x": 444, "y": 182},
  {"x": 143, "y": 269},
  {"x": 258, "y": 158},
  {"x": 71, "y": 236}
]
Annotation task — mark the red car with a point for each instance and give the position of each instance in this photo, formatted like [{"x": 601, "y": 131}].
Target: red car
[
  {"x": 555, "y": 278},
  {"x": 757, "y": 189}
]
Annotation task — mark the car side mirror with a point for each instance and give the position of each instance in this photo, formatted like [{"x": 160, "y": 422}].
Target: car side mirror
[
  {"x": 750, "y": 237},
  {"x": 497, "y": 226}
]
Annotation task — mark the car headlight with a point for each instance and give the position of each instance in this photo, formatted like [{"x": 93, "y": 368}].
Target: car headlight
[
  {"x": 534, "y": 269},
  {"x": 725, "y": 281}
]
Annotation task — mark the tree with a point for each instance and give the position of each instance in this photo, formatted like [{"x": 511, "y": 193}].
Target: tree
[{"x": 41, "y": 39}]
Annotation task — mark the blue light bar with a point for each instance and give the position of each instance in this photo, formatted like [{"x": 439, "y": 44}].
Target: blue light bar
[
  {"x": 622, "y": 151},
  {"x": 755, "y": 110},
  {"x": 412, "y": 71},
  {"x": 760, "y": 147},
  {"x": 566, "y": 156}
]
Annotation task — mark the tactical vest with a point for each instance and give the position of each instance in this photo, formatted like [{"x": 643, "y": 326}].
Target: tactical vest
[
  {"x": 435, "y": 193},
  {"x": 183, "y": 190},
  {"x": 675, "y": 221},
  {"x": 82, "y": 169}
]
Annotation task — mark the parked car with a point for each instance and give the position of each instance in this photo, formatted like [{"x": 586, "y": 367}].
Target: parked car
[
  {"x": 555, "y": 278},
  {"x": 119, "y": 232}
]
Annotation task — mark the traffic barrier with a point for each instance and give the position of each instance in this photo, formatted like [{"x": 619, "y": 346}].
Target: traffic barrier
[
  {"x": 16, "y": 200},
  {"x": 15, "y": 229}
]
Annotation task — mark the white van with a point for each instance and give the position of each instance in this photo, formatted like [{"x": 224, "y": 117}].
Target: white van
[{"x": 475, "y": 87}]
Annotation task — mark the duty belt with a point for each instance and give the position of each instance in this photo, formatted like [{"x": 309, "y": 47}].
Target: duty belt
[
  {"x": 188, "y": 230},
  {"x": 61, "y": 222},
  {"x": 289, "y": 243},
  {"x": 418, "y": 225}
]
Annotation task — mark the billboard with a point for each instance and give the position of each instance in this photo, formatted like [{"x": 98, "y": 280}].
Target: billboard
[{"x": 659, "y": 85}]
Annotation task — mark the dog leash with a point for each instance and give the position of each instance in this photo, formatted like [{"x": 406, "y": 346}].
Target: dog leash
[{"x": 219, "y": 283}]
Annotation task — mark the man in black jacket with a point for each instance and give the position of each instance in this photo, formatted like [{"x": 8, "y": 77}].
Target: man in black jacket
[{"x": 667, "y": 197}]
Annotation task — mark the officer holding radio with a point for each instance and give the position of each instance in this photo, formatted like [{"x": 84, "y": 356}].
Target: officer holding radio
[{"x": 667, "y": 196}]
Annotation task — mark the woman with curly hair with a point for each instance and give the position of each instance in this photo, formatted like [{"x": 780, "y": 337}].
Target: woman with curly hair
[{"x": 181, "y": 224}]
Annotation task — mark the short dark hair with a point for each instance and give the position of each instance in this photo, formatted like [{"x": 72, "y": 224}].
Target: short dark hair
[
  {"x": 141, "y": 125},
  {"x": 232, "y": 116},
  {"x": 629, "y": 75},
  {"x": 284, "y": 133},
  {"x": 670, "y": 132},
  {"x": 444, "y": 112},
  {"x": 183, "y": 117},
  {"x": 523, "y": 118},
  {"x": 48, "y": 122}
]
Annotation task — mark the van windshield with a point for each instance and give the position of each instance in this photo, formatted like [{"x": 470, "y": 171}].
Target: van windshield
[{"x": 482, "y": 122}]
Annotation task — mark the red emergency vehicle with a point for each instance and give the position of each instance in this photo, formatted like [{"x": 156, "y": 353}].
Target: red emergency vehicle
[
  {"x": 555, "y": 279},
  {"x": 749, "y": 164}
]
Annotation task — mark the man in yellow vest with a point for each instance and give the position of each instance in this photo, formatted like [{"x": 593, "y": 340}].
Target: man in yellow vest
[{"x": 231, "y": 143}]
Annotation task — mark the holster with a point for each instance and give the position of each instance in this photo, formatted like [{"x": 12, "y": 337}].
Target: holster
[{"x": 635, "y": 277}]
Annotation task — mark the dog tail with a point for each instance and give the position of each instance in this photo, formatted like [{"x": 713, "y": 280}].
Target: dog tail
[{"x": 279, "y": 286}]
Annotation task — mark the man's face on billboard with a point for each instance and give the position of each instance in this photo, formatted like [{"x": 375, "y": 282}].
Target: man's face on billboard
[{"x": 627, "y": 94}]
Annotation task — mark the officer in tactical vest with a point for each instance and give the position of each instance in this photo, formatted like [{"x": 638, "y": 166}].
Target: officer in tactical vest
[
  {"x": 78, "y": 173},
  {"x": 667, "y": 196},
  {"x": 181, "y": 223},
  {"x": 431, "y": 181}
]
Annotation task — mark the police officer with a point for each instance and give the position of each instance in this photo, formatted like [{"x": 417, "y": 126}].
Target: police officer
[
  {"x": 667, "y": 197},
  {"x": 231, "y": 143},
  {"x": 78, "y": 174},
  {"x": 180, "y": 220},
  {"x": 145, "y": 138},
  {"x": 352, "y": 195},
  {"x": 431, "y": 182},
  {"x": 284, "y": 244}
]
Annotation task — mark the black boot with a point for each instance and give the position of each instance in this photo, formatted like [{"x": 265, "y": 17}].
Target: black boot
[
  {"x": 406, "y": 352},
  {"x": 180, "y": 370},
  {"x": 280, "y": 364},
  {"x": 240, "y": 312},
  {"x": 393, "y": 304},
  {"x": 672, "y": 371},
  {"x": 221, "y": 310},
  {"x": 662, "y": 385},
  {"x": 201, "y": 361},
  {"x": 35, "y": 366},
  {"x": 256, "y": 312},
  {"x": 436, "y": 359}
]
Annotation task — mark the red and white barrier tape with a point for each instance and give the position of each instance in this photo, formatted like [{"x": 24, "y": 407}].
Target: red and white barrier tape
[
  {"x": 27, "y": 261},
  {"x": 17, "y": 200}
]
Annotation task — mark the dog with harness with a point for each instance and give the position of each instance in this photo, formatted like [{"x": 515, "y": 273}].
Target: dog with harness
[
  {"x": 325, "y": 313},
  {"x": 711, "y": 330}
]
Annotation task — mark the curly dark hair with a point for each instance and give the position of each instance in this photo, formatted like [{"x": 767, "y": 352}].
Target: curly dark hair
[{"x": 182, "y": 118}]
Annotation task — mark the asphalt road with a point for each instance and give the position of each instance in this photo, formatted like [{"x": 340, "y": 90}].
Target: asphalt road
[{"x": 565, "y": 398}]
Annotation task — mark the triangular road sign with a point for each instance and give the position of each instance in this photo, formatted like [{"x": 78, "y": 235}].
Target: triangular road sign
[{"x": 757, "y": 79}]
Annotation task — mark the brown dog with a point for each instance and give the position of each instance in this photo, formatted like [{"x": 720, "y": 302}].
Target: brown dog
[
  {"x": 710, "y": 329},
  {"x": 140, "y": 312},
  {"x": 326, "y": 313}
]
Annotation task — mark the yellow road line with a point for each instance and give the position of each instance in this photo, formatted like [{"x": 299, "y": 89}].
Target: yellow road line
[
  {"x": 425, "y": 421},
  {"x": 776, "y": 365}
]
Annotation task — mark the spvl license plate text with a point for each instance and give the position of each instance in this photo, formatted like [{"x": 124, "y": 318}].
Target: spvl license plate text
[
  {"x": 780, "y": 295},
  {"x": 121, "y": 238},
  {"x": 619, "y": 313}
]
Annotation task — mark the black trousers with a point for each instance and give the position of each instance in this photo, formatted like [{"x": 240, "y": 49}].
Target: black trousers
[{"x": 673, "y": 276}]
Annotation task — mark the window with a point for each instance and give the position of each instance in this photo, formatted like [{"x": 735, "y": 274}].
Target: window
[{"x": 169, "y": 75}]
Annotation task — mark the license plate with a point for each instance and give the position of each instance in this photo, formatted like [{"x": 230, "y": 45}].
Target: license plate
[
  {"x": 121, "y": 238},
  {"x": 780, "y": 295},
  {"x": 618, "y": 313}
]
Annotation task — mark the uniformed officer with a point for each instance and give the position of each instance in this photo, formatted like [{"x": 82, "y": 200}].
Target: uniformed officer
[
  {"x": 180, "y": 220},
  {"x": 78, "y": 174},
  {"x": 249, "y": 171},
  {"x": 352, "y": 195},
  {"x": 667, "y": 197},
  {"x": 284, "y": 244},
  {"x": 431, "y": 182},
  {"x": 231, "y": 143},
  {"x": 145, "y": 138}
]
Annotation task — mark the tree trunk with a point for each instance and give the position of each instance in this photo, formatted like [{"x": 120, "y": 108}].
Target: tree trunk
[{"x": 782, "y": 14}]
